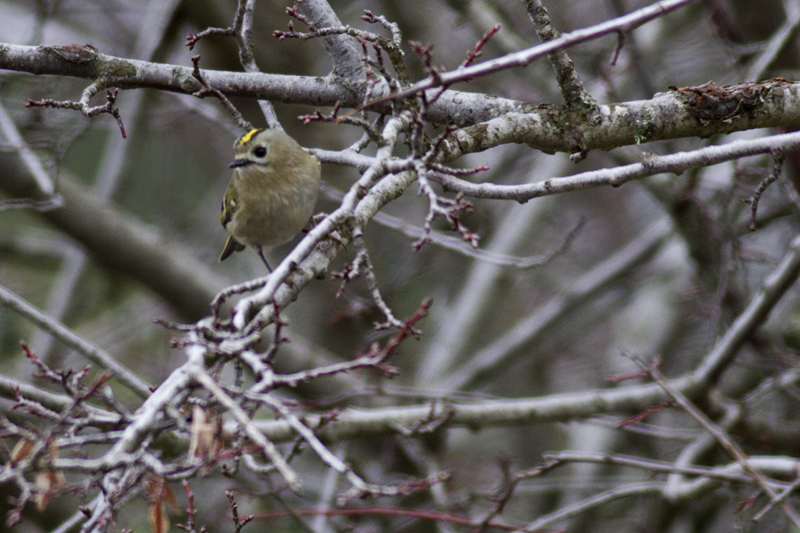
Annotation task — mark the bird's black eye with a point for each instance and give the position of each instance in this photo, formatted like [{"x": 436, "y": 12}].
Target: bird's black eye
[{"x": 260, "y": 151}]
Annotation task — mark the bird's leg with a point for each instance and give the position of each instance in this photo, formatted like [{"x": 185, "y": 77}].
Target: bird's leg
[{"x": 261, "y": 255}]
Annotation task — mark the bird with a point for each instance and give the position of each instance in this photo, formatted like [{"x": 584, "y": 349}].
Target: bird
[{"x": 272, "y": 193}]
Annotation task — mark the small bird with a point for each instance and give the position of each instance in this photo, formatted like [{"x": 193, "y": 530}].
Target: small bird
[{"x": 271, "y": 194}]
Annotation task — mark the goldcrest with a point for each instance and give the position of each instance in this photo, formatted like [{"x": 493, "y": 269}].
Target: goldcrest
[{"x": 271, "y": 194}]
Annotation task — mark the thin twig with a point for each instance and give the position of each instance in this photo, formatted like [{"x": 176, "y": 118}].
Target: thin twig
[
  {"x": 650, "y": 165},
  {"x": 650, "y": 465},
  {"x": 84, "y": 107},
  {"x": 67, "y": 336},
  {"x": 208, "y": 89},
  {"x": 524, "y": 57},
  {"x": 722, "y": 437},
  {"x": 625, "y": 491},
  {"x": 242, "y": 418},
  {"x": 774, "y": 287},
  {"x": 777, "y": 164}
]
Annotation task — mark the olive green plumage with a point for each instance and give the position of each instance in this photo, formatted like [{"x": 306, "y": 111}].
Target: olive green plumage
[{"x": 271, "y": 194}]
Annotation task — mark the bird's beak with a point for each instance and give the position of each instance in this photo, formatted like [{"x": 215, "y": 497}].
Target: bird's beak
[{"x": 239, "y": 163}]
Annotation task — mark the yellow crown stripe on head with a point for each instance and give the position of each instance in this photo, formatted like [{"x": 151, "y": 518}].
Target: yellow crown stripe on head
[{"x": 247, "y": 136}]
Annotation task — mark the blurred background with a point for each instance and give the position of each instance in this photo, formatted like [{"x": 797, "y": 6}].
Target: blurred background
[{"x": 694, "y": 264}]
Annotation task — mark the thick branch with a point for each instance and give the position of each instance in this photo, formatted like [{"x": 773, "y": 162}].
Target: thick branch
[
  {"x": 345, "y": 53},
  {"x": 545, "y": 127},
  {"x": 459, "y": 107},
  {"x": 475, "y": 415},
  {"x": 665, "y": 116}
]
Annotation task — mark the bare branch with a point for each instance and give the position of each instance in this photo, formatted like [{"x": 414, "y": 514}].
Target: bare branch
[
  {"x": 575, "y": 95},
  {"x": 87, "y": 349},
  {"x": 524, "y": 57},
  {"x": 84, "y": 107},
  {"x": 719, "y": 434},
  {"x": 772, "y": 290},
  {"x": 207, "y": 89}
]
